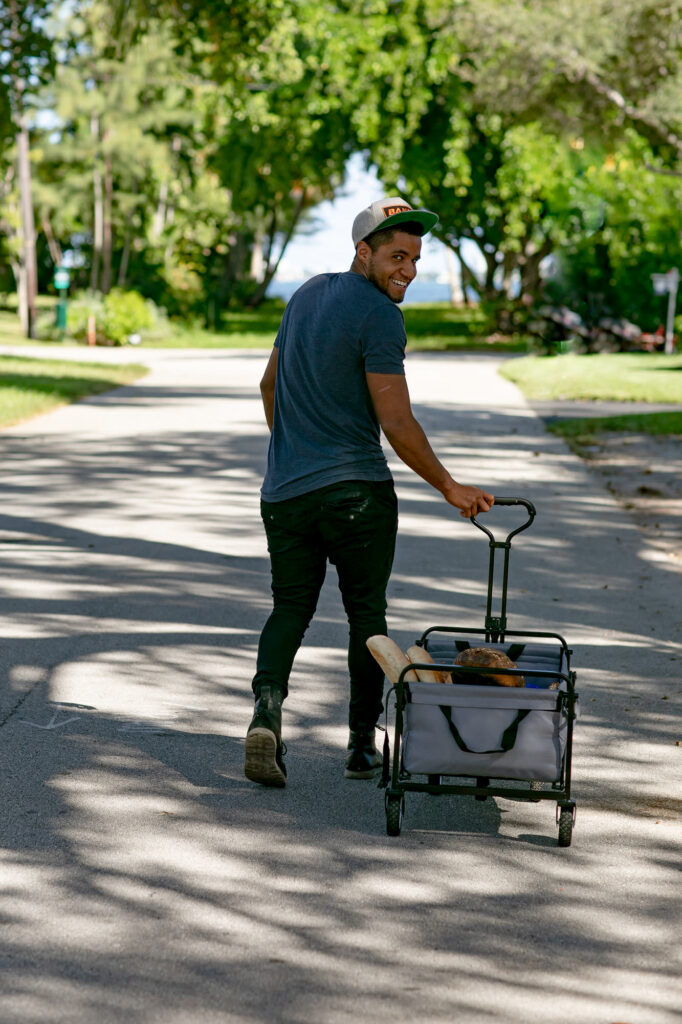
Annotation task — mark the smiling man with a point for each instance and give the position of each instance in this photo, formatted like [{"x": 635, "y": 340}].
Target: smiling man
[{"x": 334, "y": 380}]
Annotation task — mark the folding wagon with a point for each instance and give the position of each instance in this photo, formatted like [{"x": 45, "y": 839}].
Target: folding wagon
[{"x": 469, "y": 738}]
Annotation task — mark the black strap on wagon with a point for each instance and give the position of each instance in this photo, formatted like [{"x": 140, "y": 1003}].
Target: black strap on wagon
[
  {"x": 508, "y": 736},
  {"x": 513, "y": 652}
]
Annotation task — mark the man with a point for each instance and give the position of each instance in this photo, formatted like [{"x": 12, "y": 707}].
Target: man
[{"x": 334, "y": 378}]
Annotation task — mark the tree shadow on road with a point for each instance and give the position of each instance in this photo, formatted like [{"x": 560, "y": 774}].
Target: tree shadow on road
[{"x": 148, "y": 877}]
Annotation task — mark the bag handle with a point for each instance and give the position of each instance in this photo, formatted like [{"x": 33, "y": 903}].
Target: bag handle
[{"x": 508, "y": 736}]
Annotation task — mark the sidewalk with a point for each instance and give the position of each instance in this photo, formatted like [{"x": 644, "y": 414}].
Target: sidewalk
[{"x": 146, "y": 880}]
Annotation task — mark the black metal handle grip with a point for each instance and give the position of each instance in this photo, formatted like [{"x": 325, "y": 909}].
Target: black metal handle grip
[
  {"x": 528, "y": 505},
  {"x": 516, "y": 501}
]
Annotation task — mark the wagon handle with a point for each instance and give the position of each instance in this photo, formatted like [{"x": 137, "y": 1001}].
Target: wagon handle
[
  {"x": 495, "y": 625},
  {"x": 530, "y": 507}
]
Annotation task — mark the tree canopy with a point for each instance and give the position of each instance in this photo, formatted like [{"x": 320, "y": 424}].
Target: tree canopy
[{"x": 186, "y": 141}]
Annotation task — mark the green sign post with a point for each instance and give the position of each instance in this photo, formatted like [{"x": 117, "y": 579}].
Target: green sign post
[
  {"x": 61, "y": 281},
  {"x": 62, "y": 278}
]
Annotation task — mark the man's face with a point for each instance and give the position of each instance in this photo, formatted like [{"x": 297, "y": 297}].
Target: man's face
[{"x": 394, "y": 265}]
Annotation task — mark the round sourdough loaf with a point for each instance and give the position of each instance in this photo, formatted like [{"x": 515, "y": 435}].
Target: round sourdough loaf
[{"x": 486, "y": 657}]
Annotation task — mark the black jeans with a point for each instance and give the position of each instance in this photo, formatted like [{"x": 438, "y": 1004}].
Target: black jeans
[{"x": 353, "y": 524}]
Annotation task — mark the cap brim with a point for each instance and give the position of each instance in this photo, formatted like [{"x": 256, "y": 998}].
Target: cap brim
[{"x": 427, "y": 220}]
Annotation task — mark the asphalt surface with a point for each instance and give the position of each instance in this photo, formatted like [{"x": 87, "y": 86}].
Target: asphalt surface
[{"x": 145, "y": 880}]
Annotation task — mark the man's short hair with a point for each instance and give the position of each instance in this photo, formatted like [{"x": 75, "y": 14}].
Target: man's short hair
[{"x": 379, "y": 238}]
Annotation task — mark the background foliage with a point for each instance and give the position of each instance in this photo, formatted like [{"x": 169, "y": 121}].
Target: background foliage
[{"x": 177, "y": 146}]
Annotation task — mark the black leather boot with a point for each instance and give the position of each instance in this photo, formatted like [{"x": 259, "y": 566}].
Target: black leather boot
[
  {"x": 363, "y": 760},
  {"x": 264, "y": 748}
]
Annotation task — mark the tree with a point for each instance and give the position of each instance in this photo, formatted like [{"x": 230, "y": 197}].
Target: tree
[
  {"x": 640, "y": 233},
  {"x": 590, "y": 67},
  {"x": 195, "y": 137},
  {"x": 125, "y": 156},
  {"x": 27, "y": 59},
  {"x": 215, "y": 152},
  {"x": 109, "y": 137},
  {"x": 511, "y": 105},
  {"x": 276, "y": 123}
]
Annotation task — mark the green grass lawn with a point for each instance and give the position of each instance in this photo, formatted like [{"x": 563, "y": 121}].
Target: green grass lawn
[
  {"x": 10, "y": 329},
  {"x": 434, "y": 327},
  {"x": 441, "y": 327},
  {"x": 30, "y": 387},
  {"x": 580, "y": 430},
  {"x": 617, "y": 377},
  {"x": 613, "y": 377}
]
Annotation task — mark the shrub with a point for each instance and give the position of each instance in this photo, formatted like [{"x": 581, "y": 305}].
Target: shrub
[
  {"x": 125, "y": 314},
  {"x": 118, "y": 316},
  {"x": 78, "y": 312}
]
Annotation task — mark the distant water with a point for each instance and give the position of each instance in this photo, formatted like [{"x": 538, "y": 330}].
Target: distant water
[{"x": 418, "y": 291}]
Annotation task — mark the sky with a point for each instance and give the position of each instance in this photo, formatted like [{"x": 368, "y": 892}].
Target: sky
[{"x": 329, "y": 247}]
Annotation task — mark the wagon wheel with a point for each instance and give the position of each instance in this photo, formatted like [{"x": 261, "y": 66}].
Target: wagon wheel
[
  {"x": 395, "y": 805},
  {"x": 565, "y": 826}
]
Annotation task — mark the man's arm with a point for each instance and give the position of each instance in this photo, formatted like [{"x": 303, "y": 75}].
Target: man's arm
[
  {"x": 267, "y": 388},
  {"x": 391, "y": 401}
]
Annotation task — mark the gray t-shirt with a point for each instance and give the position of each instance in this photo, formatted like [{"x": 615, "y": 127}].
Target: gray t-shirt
[{"x": 336, "y": 328}]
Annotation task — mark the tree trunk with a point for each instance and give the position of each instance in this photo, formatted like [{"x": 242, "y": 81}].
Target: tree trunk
[
  {"x": 258, "y": 265},
  {"x": 233, "y": 266},
  {"x": 19, "y": 272},
  {"x": 28, "y": 257},
  {"x": 125, "y": 254},
  {"x": 467, "y": 276},
  {"x": 159, "y": 221},
  {"x": 456, "y": 289},
  {"x": 97, "y": 233},
  {"x": 26, "y": 270},
  {"x": 98, "y": 216},
  {"x": 123, "y": 265},
  {"x": 164, "y": 210},
  {"x": 490, "y": 291},
  {"x": 107, "y": 232},
  {"x": 258, "y": 295},
  {"x": 509, "y": 265},
  {"x": 530, "y": 269},
  {"x": 53, "y": 245}
]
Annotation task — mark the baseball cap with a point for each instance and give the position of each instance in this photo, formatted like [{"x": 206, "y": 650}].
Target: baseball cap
[{"x": 388, "y": 213}]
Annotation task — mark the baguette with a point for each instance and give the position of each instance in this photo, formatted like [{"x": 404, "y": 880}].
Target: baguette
[
  {"x": 390, "y": 657},
  {"x": 425, "y": 675}
]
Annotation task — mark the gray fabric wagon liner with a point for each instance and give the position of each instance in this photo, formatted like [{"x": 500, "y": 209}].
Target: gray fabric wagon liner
[
  {"x": 441, "y": 718},
  {"x": 444, "y": 647}
]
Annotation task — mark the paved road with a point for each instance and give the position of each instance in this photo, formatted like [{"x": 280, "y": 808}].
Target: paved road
[{"x": 145, "y": 880}]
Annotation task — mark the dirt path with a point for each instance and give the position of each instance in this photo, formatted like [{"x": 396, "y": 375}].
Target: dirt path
[{"x": 644, "y": 473}]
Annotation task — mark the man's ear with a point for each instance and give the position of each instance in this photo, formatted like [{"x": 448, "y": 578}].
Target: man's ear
[{"x": 363, "y": 252}]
